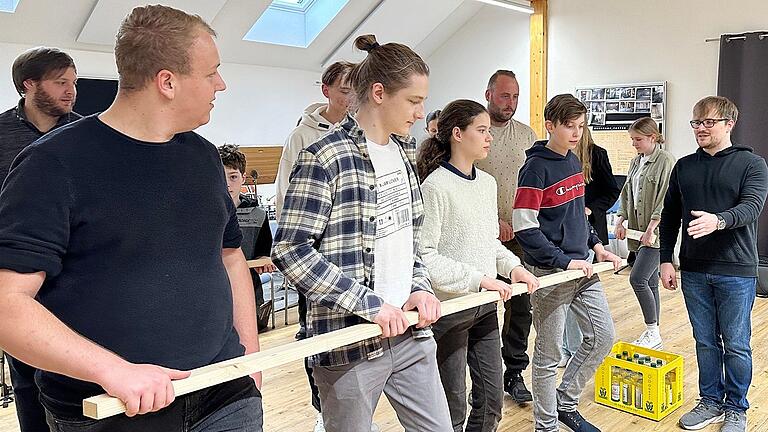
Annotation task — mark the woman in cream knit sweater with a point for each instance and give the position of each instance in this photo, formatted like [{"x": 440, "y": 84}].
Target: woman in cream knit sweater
[{"x": 460, "y": 248}]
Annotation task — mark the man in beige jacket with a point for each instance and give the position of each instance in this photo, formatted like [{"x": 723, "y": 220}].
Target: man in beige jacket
[{"x": 510, "y": 140}]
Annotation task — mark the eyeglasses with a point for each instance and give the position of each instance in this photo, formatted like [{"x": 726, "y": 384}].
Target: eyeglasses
[{"x": 708, "y": 123}]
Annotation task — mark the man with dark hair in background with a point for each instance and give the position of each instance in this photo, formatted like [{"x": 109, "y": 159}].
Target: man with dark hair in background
[
  {"x": 510, "y": 140},
  {"x": 45, "y": 79}
]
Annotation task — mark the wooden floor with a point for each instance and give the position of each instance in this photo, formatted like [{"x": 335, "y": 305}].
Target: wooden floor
[{"x": 286, "y": 396}]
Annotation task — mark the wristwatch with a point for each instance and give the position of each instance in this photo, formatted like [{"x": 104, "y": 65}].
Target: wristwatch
[{"x": 720, "y": 222}]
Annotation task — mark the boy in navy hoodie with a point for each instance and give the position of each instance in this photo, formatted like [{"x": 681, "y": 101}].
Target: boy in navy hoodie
[{"x": 551, "y": 226}]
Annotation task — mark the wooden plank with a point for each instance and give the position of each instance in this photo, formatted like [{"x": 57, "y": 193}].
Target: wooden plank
[
  {"x": 635, "y": 234},
  {"x": 259, "y": 262},
  {"x": 103, "y": 406},
  {"x": 538, "y": 64}
]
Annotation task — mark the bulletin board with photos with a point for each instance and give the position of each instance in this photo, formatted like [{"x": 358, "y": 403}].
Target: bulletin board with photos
[{"x": 612, "y": 108}]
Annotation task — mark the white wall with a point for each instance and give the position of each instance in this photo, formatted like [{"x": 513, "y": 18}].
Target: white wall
[
  {"x": 495, "y": 38},
  {"x": 260, "y": 106},
  {"x": 622, "y": 41}
]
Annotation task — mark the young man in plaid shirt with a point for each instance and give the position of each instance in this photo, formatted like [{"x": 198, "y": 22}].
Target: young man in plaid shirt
[{"x": 348, "y": 239}]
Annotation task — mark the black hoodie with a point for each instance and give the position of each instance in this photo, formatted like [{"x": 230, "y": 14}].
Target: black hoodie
[{"x": 732, "y": 184}]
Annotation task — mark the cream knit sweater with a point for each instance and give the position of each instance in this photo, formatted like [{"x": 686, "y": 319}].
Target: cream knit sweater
[{"x": 459, "y": 238}]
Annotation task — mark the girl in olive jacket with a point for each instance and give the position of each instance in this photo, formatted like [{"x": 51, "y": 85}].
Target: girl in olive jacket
[{"x": 641, "y": 202}]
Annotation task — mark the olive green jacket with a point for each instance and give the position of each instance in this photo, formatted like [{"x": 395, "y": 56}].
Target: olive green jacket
[{"x": 654, "y": 180}]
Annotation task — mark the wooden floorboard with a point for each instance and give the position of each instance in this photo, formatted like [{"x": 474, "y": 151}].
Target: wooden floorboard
[{"x": 286, "y": 396}]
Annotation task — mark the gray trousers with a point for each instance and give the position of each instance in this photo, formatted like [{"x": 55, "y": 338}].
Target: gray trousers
[
  {"x": 586, "y": 300},
  {"x": 645, "y": 282},
  {"x": 471, "y": 338},
  {"x": 406, "y": 373}
]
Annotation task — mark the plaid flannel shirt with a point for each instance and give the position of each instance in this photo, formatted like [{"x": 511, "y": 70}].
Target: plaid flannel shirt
[{"x": 325, "y": 240}]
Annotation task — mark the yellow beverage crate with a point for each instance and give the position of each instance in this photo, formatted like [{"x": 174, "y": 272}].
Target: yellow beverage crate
[{"x": 650, "y": 392}]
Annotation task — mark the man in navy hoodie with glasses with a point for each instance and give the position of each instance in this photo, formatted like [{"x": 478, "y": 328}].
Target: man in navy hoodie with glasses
[{"x": 717, "y": 194}]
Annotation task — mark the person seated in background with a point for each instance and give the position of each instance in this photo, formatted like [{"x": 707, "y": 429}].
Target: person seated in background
[{"x": 257, "y": 236}]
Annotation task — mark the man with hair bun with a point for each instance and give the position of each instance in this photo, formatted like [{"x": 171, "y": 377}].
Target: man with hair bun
[
  {"x": 352, "y": 208},
  {"x": 45, "y": 78},
  {"x": 126, "y": 271}
]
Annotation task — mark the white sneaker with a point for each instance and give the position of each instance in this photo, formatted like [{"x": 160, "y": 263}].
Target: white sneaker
[
  {"x": 319, "y": 426},
  {"x": 649, "y": 339}
]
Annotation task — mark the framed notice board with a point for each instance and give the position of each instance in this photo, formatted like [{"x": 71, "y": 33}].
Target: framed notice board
[{"x": 612, "y": 108}]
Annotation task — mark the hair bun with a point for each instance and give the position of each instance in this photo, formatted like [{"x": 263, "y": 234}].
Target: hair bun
[{"x": 366, "y": 43}]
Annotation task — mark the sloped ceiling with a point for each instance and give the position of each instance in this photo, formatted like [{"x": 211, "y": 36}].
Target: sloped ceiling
[{"x": 91, "y": 25}]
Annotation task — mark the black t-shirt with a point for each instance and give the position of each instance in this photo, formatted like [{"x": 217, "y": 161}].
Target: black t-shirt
[{"x": 130, "y": 236}]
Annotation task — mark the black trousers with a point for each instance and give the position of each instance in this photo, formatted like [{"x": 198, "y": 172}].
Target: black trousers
[
  {"x": 517, "y": 325},
  {"x": 29, "y": 410}
]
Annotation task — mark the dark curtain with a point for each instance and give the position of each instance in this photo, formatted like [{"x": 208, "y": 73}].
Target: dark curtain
[{"x": 743, "y": 78}]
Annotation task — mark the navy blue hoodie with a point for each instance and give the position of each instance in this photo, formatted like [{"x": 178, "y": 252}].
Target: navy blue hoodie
[
  {"x": 732, "y": 184},
  {"x": 549, "y": 219}
]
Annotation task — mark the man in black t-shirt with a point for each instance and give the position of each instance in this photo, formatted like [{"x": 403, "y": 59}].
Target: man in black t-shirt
[
  {"x": 45, "y": 79},
  {"x": 134, "y": 250}
]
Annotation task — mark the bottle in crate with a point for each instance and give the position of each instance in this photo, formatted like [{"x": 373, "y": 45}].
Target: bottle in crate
[
  {"x": 669, "y": 386},
  {"x": 616, "y": 376},
  {"x": 638, "y": 390},
  {"x": 626, "y": 387}
]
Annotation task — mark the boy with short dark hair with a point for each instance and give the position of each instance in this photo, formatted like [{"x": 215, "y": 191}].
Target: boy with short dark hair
[
  {"x": 552, "y": 228},
  {"x": 254, "y": 224}
]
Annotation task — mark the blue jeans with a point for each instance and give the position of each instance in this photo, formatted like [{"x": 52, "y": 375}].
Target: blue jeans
[{"x": 719, "y": 308}]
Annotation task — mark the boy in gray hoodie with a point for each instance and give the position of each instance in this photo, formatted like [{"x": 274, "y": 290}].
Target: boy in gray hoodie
[{"x": 316, "y": 120}]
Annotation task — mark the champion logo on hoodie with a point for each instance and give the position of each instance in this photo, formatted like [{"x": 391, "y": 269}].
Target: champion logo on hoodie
[{"x": 560, "y": 193}]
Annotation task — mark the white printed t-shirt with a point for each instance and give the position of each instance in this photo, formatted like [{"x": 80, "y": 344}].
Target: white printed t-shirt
[{"x": 393, "y": 254}]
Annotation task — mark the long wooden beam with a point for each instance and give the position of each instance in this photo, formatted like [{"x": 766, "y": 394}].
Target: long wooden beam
[
  {"x": 103, "y": 406},
  {"x": 538, "y": 61}
]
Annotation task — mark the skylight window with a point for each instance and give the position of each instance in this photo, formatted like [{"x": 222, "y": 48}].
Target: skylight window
[
  {"x": 294, "y": 22},
  {"x": 10, "y": 5}
]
